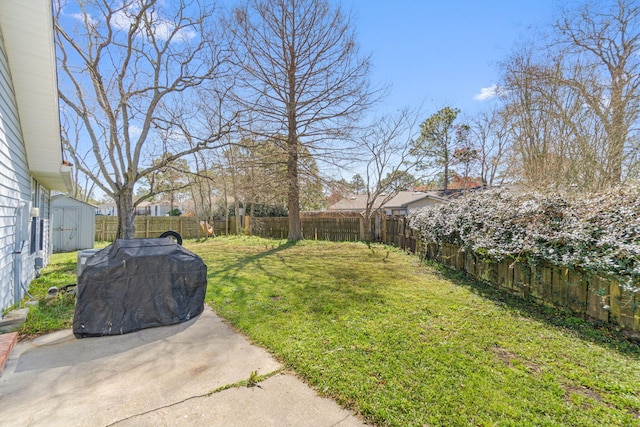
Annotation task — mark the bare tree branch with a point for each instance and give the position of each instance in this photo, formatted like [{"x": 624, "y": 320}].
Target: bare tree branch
[
  {"x": 133, "y": 73},
  {"x": 302, "y": 77}
]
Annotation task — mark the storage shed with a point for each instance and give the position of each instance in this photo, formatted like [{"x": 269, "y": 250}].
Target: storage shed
[{"x": 73, "y": 224}]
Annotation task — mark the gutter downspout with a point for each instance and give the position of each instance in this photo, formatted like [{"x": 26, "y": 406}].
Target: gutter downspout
[{"x": 17, "y": 271}]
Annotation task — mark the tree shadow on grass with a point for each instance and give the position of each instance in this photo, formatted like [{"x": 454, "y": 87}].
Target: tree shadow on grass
[
  {"x": 586, "y": 329},
  {"x": 339, "y": 296},
  {"x": 345, "y": 288},
  {"x": 250, "y": 259}
]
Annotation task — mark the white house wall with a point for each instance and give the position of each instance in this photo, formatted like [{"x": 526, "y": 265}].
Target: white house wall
[
  {"x": 413, "y": 206},
  {"x": 15, "y": 189}
]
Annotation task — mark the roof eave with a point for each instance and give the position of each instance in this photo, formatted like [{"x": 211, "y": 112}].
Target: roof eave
[{"x": 27, "y": 29}]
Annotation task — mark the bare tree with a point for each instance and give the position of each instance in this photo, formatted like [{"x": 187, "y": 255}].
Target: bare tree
[
  {"x": 388, "y": 147},
  {"x": 130, "y": 70},
  {"x": 601, "y": 43},
  {"x": 170, "y": 181},
  {"x": 558, "y": 141},
  {"x": 490, "y": 132},
  {"x": 202, "y": 190},
  {"x": 302, "y": 77},
  {"x": 572, "y": 98},
  {"x": 261, "y": 174},
  {"x": 539, "y": 134},
  {"x": 83, "y": 185}
]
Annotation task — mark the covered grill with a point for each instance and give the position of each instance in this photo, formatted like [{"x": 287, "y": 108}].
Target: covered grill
[{"x": 137, "y": 284}]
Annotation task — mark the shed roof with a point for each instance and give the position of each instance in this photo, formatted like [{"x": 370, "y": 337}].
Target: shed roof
[{"x": 74, "y": 200}]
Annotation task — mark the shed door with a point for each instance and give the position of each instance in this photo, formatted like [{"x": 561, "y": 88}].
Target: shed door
[{"x": 65, "y": 229}]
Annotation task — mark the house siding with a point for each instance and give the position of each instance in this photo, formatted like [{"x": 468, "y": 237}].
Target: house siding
[
  {"x": 15, "y": 189},
  {"x": 413, "y": 206}
]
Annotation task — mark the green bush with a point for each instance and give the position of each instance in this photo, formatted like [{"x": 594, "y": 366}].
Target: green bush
[{"x": 598, "y": 234}]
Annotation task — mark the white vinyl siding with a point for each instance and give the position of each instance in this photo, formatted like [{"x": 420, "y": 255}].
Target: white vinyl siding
[{"x": 15, "y": 188}]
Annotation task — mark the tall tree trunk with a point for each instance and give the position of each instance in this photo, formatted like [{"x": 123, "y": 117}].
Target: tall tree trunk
[
  {"x": 369, "y": 233},
  {"x": 617, "y": 133},
  {"x": 226, "y": 205},
  {"x": 293, "y": 195},
  {"x": 126, "y": 213},
  {"x": 445, "y": 184}
]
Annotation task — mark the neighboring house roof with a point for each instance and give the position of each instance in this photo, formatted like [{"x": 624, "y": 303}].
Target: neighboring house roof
[
  {"x": 401, "y": 200},
  {"x": 350, "y": 203},
  {"x": 445, "y": 195},
  {"x": 404, "y": 198},
  {"x": 357, "y": 203},
  {"x": 158, "y": 203},
  {"x": 330, "y": 214},
  {"x": 27, "y": 30}
]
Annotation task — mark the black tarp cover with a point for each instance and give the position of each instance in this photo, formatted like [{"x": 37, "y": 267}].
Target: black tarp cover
[{"x": 137, "y": 284}]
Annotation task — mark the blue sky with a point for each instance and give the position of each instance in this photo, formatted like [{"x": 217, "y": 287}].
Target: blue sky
[
  {"x": 437, "y": 53},
  {"x": 442, "y": 53}
]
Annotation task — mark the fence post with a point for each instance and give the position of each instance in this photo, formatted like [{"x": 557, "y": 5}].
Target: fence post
[
  {"x": 361, "y": 231},
  {"x": 247, "y": 224}
]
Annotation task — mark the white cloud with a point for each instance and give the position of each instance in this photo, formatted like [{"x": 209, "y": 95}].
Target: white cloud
[
  {"x": 82, "y": 17},
  {"x": 162, "y": 28},
  {"x": 121, "y": 21},
  {"x": 134, "y": 131},
  {"x": 487, "y": 93}
]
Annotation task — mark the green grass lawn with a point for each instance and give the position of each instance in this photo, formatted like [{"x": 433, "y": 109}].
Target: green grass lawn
[
  {"x": 56, "y": 313},
  {"x": 404, "y": 344}
]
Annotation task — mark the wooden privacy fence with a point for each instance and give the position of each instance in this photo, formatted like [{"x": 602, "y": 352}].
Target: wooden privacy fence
[
  {"x": 153, "y": 226},
  {"x": 595, "y": 297},
  {"x": 396, "y": 232},
  {"x": 350, "y": 229},
  {"x": 340, "y": 229}
]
